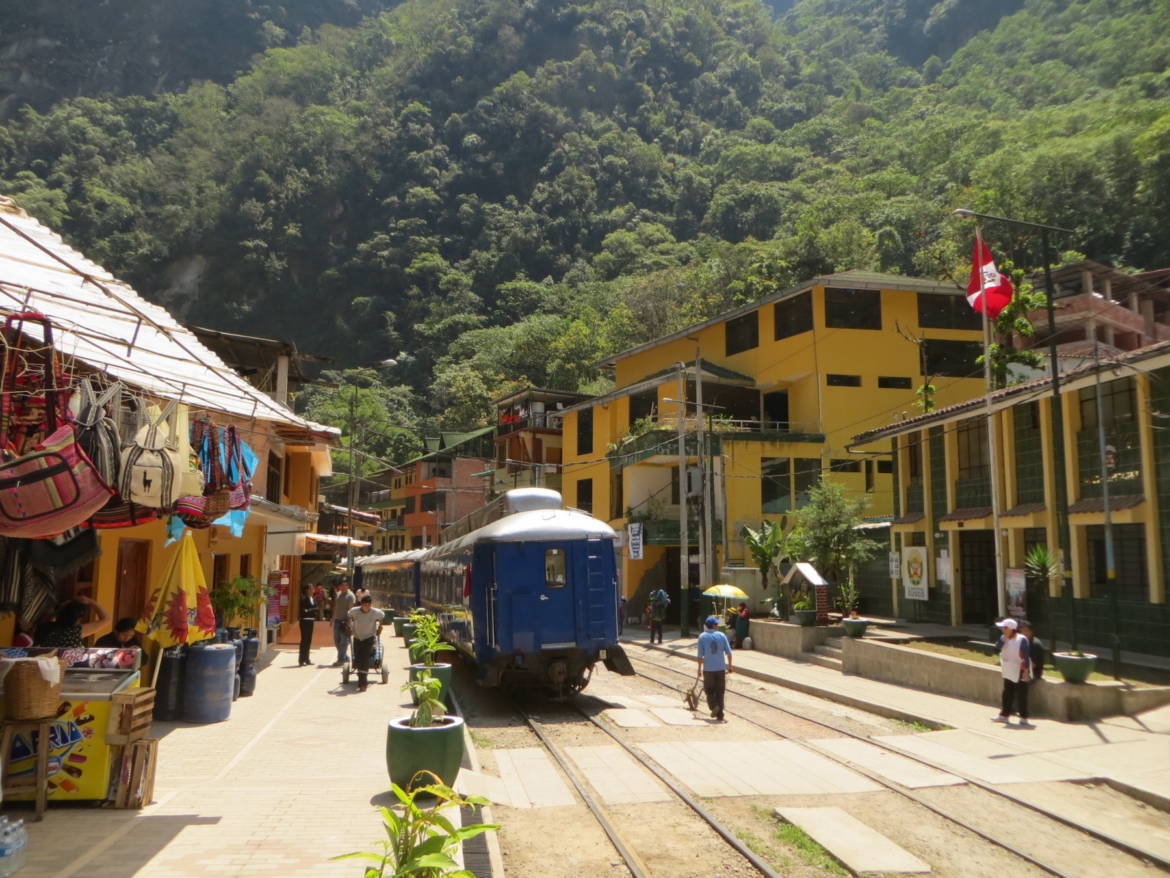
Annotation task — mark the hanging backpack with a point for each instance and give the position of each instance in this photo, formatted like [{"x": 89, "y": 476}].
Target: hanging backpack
[
  {"x": 97, "y": 432},
  {"x": 151, "y": 464}
]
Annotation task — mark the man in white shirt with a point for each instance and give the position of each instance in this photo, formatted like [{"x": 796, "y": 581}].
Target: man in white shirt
[
  {"x": 366, "y": 624},
  {"x": 1016, "y": 665}
]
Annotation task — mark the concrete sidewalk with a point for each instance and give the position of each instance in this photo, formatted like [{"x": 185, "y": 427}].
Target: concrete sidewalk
[
  {"x": 1128, "y": 752},
  {"x": 290, "y": 780}
]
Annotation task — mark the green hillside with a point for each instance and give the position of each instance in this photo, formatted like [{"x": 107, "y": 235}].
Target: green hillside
[{"x": 505, "y": 191}]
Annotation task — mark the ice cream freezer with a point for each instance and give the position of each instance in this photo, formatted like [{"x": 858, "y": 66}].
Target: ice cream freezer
[{"x": 80, "y": 757}]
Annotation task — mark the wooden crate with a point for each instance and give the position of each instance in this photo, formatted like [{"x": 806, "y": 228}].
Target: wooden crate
[
  {"x": 134, "y": 786},
  {"x": 131, "y": 713}
]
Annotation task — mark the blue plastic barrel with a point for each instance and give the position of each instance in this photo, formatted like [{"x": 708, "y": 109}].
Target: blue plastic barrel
[
  {"x": 251, "y": 650},
  {"x": 247, "y": 677},
  {"x": 168, "y": 691},
  {"x": 210, "y": 683}
]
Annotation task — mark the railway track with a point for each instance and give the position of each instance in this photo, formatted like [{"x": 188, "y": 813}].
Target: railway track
[{"x": 1120, "y": 845}]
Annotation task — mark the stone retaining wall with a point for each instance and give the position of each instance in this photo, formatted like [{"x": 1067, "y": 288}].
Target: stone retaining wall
[{"x": 787, "y": 640}]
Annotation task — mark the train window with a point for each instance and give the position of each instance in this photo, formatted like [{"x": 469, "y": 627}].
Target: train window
[{"x": 554, "y": 568}]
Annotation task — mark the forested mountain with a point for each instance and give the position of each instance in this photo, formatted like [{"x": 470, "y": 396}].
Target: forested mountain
[{"x": 506, "y": 191}]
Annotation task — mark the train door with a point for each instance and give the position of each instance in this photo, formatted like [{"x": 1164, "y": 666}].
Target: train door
[
  {"x": 600, "y": 595},
  {"x": 542, "y": 612},
  {"x": 556, "y": 620}
]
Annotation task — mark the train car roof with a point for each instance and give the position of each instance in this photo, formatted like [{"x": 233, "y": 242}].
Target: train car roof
[
  {"x": 537, "y": 525},
  {"x": 392, "y": 558}
]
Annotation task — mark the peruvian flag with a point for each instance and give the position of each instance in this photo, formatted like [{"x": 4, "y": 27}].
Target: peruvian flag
[{"x": 987, "y": 285}]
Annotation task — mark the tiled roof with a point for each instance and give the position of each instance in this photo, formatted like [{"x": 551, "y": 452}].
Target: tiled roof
[
  {"x": 967, "y": 514},
  {"x": 1097, "y": 504},
  {"x": 911, "y": 518},
  {"x": 1023, "y": 509}
]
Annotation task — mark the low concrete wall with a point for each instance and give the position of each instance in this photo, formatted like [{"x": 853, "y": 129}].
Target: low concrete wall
[
  {"x": 788, "y": 640},
  {"x": 983, "y": 683}
]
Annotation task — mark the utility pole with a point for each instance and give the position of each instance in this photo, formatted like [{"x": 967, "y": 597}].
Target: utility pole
[
  {"x": 701, "y": 459},
  {"x": 1110, "y": 560},
  {"x": 352, "y": 492},
  {"x": 684, "y": 537}
]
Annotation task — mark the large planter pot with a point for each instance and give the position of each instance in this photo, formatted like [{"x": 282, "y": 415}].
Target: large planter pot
[
  {"x": 407, "y": 631},
  {"x": 805, "y": 618},
  {"x": 431, "y": 748},
  {"x": 1074, "y": 668},
  {"x": 854, "y": 627},
  {"x": 399, "y": 621},
  {"x": 439, "y": 670}
]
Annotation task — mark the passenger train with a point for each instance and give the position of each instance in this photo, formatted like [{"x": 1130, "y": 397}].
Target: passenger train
[{"x": 531, "y": 597}]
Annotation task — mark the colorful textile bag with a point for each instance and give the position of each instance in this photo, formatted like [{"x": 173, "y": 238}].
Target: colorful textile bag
[
  {"x": 32, "y": 399},
  {"x": 51, "y": 489},
  {"x": 151, "y": 464}
]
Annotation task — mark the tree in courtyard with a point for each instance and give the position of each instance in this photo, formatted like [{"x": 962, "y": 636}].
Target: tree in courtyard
[{"x": 826, "y": 532}]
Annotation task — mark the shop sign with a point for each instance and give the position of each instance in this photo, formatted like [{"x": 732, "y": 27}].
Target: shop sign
[
  {"x": 1017, "y": 589},
  {"x": 635, "y": 540}
]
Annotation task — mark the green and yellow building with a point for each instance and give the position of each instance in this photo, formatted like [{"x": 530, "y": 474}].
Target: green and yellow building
[{"x": 785, "y": 383}]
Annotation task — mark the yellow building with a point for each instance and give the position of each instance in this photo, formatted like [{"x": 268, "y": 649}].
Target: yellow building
[
  {"x": 785, "y": 384},
  {"x": 945, "y": 509}
]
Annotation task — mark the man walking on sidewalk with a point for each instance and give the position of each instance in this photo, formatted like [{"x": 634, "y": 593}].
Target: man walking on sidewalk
[
  {"x": 343, "y": 601},
  {"x": 714, "y": 665},
  {"x": 366, "y": 624},
  {"x": 659, "y": 601},
  {"x": 1016, "y": 665}
]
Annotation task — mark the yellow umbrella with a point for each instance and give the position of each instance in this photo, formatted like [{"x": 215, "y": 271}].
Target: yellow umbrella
[
  {"x": 179, "y": 610},
  {"x": 725, "y": 591}
]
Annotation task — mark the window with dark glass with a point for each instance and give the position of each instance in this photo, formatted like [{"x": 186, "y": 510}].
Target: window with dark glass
[
  {"x": 952, "y": 359},
  {"x": 793, "y": 316},
  {"x": 408, "y": 506},
  {"x": 1129, "y": 558},
  {"x": 275, "y": 477},
  {"x": 853, "y": 309},
  {"x": 869, "y": 477},
  {"x": 1117, "y": 403},
  {"x": 585, "y": 495},
  {"x": 554, "y": 568},
  {"x": 616, "y": 496},
  {"x": 940, "y": 311},
  {"x": 643, "y": 404},
  {"x": 430, "y": 502},
  {"x": 845, "y": 466},
  {"x": 835, "y": 380},
  {"x": 886, "y": 467},
  {"x": 585, "y": 431},
  {"x": 914, "y": 459},
  {"x": 972, "y": 441},
  {"x": 742, "y": 333},
  {"x": 894, "y": 382},
  {"x": 775, "y": 490},
  {"x": 806, "y": 473},
  {"x": 776, "y": 409}
]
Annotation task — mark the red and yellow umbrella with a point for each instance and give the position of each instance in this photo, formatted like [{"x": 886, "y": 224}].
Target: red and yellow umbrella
[{"x": 179, "y": 610}]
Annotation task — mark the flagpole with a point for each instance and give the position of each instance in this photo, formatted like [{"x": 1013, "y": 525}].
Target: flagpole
[{"x": 992, "y": 435}]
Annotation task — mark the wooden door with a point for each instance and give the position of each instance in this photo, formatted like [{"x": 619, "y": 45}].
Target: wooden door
[{"x": 133, "y": 578}]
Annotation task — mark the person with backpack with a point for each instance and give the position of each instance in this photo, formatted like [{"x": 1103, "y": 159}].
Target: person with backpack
[
  {"x": 1037, "y": 652},
  {"x": 659, "y": 601},
  {"x": 1016, "y": 667},
  {"x": 714, "y": 665}
]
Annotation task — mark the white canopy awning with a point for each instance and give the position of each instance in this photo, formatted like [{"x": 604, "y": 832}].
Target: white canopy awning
[
  {"x": 336, "y": 539},
  {"x": 101, "y": 321}
]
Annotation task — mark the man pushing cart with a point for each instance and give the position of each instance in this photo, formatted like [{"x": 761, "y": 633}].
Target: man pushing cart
[{"x": 365, "y": 626}]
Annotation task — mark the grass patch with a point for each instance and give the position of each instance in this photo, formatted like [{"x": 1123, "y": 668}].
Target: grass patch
[
  {"x": 812, "y": 853},
  {"x": 480, "y": 740},
  {"x": 1130, "y": 674},
  {"x": 915, "y": 726}
]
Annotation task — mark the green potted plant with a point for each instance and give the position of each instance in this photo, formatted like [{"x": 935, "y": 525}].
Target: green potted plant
[
  {"x": 848, "y": 598},
  {"x": 237, "y": 603},
  {"x": 400, "y": 621},
  {"x": 803, "y": 609},
  {"x": 427, "y": 641},
  {"x": 426, "y": 741},
  {"x": 1074, "y": 665},
  {"x": 421, "y": 841},
  {"x": 409, "y": 627}
]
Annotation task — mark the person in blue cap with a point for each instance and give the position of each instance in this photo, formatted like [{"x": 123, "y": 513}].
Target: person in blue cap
[{"x": 714, "y": 665}]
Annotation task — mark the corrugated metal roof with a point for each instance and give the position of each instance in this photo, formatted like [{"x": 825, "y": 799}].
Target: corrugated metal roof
[
  {"x": 853, "y": 279},
  {"x": 104, "y": 323}
]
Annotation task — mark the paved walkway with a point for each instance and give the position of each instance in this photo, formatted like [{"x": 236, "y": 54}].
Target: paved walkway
[
  {"x": 1133, "y": 751},
  {"x": 292, "y": 779}
]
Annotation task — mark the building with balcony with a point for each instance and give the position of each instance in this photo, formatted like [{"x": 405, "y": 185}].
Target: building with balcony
[
  {"x": 528, "y": 438},
  {"x": 944, "y": 504},
  {"x": 449, "y": 481},
  {"x": 785, "y": 383}
]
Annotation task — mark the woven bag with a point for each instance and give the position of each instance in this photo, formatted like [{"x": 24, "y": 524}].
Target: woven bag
[{"x": 27, "y": 695}]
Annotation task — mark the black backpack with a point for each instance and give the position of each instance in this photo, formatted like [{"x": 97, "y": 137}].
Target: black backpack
[{"x": 97, "y": 432}]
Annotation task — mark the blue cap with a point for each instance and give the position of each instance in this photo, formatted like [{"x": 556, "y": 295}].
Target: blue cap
[{"x": 712, "y": 622}]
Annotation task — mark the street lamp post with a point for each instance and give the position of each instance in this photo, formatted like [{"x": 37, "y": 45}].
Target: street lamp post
[
  {"x": 1058, "y": 454},
  {"x": 351, "y": 494},
  {"x": 706, "y": 549}
]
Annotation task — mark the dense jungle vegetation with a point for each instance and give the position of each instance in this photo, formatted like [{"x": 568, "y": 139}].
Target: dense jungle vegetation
[{"x": 505, "y": 191}]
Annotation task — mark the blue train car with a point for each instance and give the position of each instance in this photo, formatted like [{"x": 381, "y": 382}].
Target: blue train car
[
  {"x": 531, "y": 597},
  {"x": 394, "y": 580}
]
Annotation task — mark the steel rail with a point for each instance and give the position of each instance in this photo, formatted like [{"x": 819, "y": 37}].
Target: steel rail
[
  {"x": 633, "y": 862},
  {"x": 915, "y": 797}
]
